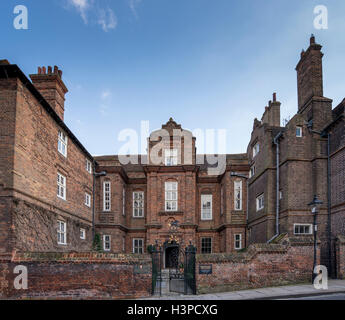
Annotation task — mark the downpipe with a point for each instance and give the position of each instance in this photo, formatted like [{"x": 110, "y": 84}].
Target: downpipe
[{"x": 276, "y": 142}]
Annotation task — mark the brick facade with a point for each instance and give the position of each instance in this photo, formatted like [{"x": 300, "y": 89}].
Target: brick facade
[{"x": 32, "y": 115}]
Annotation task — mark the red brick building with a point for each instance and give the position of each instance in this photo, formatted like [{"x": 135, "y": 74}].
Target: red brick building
[{"x": 51, "y": 201}]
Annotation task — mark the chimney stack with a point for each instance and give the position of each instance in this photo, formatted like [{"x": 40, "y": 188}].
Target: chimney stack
[
  {"x": 271, "y": 115},
  {"x": 51, "y": 87},
  {"x": 309, "y": 74}
]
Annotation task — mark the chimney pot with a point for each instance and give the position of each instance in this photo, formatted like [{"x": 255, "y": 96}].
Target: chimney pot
[
  {"x": 56, "y": 69},
  {"x": 274, "y": 97},
  {"x": 39, "y": 71},
  {"x": 60, "y": 73},
  {"x": 312, "y": 39},
  {"x": 49, "y": 70},
  {"x": 44, "y": 70}
]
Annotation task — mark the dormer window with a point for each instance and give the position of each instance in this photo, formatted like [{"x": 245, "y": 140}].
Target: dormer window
[
  {"x": 256, "y": 149},
  {"x": 171, "y": 157},
  {"x": 299, "y": 132}
]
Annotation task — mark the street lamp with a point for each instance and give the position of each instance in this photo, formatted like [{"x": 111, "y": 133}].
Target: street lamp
[{"x": 314, "y": 210}]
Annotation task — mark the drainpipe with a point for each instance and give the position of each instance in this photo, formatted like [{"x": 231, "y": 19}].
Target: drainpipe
[
  {"x": 329, "y": 225},
  {"x": 276, "y": 142},
  {"x": 94, "y": 175}
]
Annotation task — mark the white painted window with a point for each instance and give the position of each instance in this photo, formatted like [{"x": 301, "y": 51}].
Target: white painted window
[
  {"x": 256, "y": 149},
  {"x": 82, "y": 234},
  {"x": 62, "y": 232},
  {"x": 62, "y": 143},
  {"x": 106, "y": 242},
  {"x": 171, "y": 157},
  {"x": 61, "y": 186},
  {"x": 138, "y": 204},
  {"x": 87, "y": 200},
  {"x": 252, "y": 171},
  {"x": 299, "y": 132},
  {"x": 206, "y": 207},
  {"x": 138, "y": 246},
  {"x": 171, "y": 196},
  {"x": 260, "y": 202},
  {"x": 123, "y": 201},
  {"x": 238, "y": 241},
  {"x": 88, "y": 166},
  {"x": 303, "y": 229},
  {"x": 238, "y": 195},
  {"x": 106, "y": 196}
]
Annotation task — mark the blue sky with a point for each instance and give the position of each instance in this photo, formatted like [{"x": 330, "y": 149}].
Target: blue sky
[{"x": 210, "y": 64}]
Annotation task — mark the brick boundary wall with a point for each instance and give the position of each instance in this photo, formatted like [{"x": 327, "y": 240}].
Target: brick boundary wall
[
  {"x": 261, "y": 265},
  {"x": 340, "y": 256},
  {"x": 77, "y": 276}
]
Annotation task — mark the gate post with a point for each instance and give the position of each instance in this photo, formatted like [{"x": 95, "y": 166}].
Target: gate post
[
  {"x": 156, "y": 268},
  {"x": 189, "y": 269}
]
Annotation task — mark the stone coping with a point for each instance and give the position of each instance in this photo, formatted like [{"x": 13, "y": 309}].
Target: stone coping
[{"x": 80, "y": 257}]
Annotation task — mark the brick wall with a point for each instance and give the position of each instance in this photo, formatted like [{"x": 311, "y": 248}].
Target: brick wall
[
  {"x": 261, "y": 265},
  {"x": 340, "y": 257},
  {"x": 78, "y": 276}
]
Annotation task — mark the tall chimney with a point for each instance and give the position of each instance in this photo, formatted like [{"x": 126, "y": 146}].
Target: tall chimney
[
  {"x": 51, "y": 87},
  {"x": 309, "y": 74}
]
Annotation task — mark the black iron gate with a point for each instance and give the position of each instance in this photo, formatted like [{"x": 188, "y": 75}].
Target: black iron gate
[{"x": 179, "y": 268}]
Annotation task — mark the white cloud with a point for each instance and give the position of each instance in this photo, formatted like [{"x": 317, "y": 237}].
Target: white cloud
[
  {"x": 105, "y": 94},
  {"x": 89, "y": 11},
  {"x": 82, "y": 7},
  {"x": 107, "y": 19},
  {"x": 133, "y": 4}
]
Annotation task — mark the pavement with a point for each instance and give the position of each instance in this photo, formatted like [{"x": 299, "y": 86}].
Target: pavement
[{"x": 335, "y": 288}]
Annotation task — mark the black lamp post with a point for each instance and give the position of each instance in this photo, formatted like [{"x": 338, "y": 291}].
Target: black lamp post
[{"x": 314, "y": 209}]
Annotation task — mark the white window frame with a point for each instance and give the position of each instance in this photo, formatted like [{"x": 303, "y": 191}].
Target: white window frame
[
  {"x": 82, "y": 234},
  {"x": 256, "y": 149},
  {"x": 138, "y": 204},
  {"x": 106, "y": 196},
  {"x": 62, "y": 143},
  {"x": 206, "y": 213},
  {"x": 171, "y": 196},
  {"x": 88, "y": 166},
  {"x": 300, "y": 135},
  {"x": 87, "y": 199},
  {"x": 138, "y": 247},
  {"x": 170, "y": 157},
  {"x": 61, "y": 184},
  {"x": 236, "y": 247},
  {"x": 260, "y": 204},
  {"x": 62, "y": 232},
  {"x": 252, "y": 171},
  {"x": 238, "y": 187},
  {"x": 106, "y": 241},
  {"x": 303, "y": 225}
]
